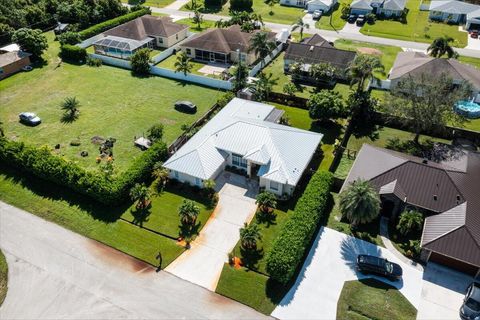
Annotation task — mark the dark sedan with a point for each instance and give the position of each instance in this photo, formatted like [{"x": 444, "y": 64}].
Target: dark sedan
[
  {"x": 29, "y": 118},
  {"x": 470, "y": 310},
  {"x": 379, "y": 266},
  {"x": 185, "y": 106},
  {"x": 352, "y": 18}
]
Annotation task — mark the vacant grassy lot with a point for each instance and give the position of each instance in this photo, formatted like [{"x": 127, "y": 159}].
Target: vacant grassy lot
[
  {"x": 417, "y": 28},
  {"x": 113, "y": 103},
  {"x": 333, "y": 19},
  {"x": 3, "y": 277},
  {"x": 373, "y": 299}
]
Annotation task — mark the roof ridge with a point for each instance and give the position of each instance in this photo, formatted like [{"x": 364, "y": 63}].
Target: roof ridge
[{"x": 322, "y": 47}]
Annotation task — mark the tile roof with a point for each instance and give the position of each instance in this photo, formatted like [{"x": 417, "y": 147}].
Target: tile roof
[{"x": 10, "y": 57}]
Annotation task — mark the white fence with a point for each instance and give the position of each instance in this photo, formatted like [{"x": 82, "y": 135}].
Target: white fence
[
  {"x": 266, "y": 61},
  {"x": 168, "y": 52},
  {"x": 382, "y": 84}
]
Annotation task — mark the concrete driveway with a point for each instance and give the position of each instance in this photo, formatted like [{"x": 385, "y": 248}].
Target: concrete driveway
[
  {"x": 329, "y": 264},
  {"x": 203, "y": 263},
  {"x": 57, "y": 274}
]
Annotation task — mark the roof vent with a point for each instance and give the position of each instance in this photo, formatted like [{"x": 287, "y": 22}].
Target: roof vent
[
  {"x": 425, "y": 161},
  {"x": 458, "y": 197},
  {"x": 311, "y": 48},
  {"x": 435, "y": 197}
]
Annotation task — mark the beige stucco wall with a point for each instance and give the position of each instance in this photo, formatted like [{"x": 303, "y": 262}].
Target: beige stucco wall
[
  {"x": 172, "y": 40},
  {"x": 14, "y": 67}
]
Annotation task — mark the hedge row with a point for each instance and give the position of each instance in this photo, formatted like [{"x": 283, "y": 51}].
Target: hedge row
[
  {"x": 296, "y": 235},
  {"x": 103, "y": 26},
  {"x": 73, "y": 53},
  {"x": 43, "y": 164}
]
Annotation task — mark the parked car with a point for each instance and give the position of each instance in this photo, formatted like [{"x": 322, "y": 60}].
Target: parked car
[
  {"x": 474, "y": 34},
  {"x": 361, "y": 20},
  {"x": 27, "y": 68},
  {"x": 379, "y": 266},
  {"x": 470, "y": 308},
  {"x": 352, "y": 18},
  {"x": 29, "y": 118},
  {"x": 185, "y": 106},
  {"x": 317, "y": 14}
]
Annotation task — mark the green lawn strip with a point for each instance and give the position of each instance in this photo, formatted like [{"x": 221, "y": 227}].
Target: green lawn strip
[
  {"x": 373, "y": 299},
  {"x": 388, "y": 56},
  {"x": 82, "y": 216},
  {"x": 470, "y": 60},
  {"x": 333, "y": 19},
  {"x": 3, "y": 277},
  {"x": 344, "y": 166},
  {"x": 113, "y": 103},
  {"x": 251, "y": 288},
  {"x": 150, "y": 3},
  {"x": 418, "y": 28},
  {"x": 205, "y": 25},
  {"x": 162, "y": 216}
]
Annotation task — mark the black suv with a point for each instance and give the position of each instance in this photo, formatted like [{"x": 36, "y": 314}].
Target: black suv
[
  {"x": 470, "y": 308},
  {"x": 379, "y": 266},
  {"x": 185, "y": 106}
]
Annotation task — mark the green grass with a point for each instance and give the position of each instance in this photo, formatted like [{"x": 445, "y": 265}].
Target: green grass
[
  {"x": 344, "y": 167},
  {"x": 151, "y": 3},
  {"x": 169, "y": 63},
  {"x": 337, "y": 23},
  {"x": 113, "y": 103},
  {"x": 418, "y": 28},
  {"x": 205, "y": 25},
  {"x": 373, "y": 299},
  {"x": 250, "y": 288},
  {"x": 388, "y": 53},
  {"x": 470, "y": 60},
  {"x": 3, "y": 277}
]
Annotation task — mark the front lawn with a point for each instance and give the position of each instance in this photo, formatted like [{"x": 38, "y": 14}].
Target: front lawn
[
  {"x": 205, "y": 25},
  {"x": 373, "y": 299},
  {"x": 333, "y": 19},
  {"x": 470, "y": 60},
  {"x": 113, "y": 103},
  {"x": 3, "y": 277},
  {"x": 417, "y": 28}
]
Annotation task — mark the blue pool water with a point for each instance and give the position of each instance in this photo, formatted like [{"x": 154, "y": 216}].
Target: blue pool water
[{"x": 469, "y": 109}]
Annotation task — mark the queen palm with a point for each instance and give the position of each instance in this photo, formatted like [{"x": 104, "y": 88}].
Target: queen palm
[
  {"x": 141, "y": 194},
  {"x": 363, "y": 68},
  {"x": 188, "y": 212},
  {"x": 183, "y": 63},
  {"x": 359, "y": 202},
  {"x": 261, "y": 45},
  {"x": 249, "y": 235},
  {"x": 160, "y": 173},
  {"x": 266, "y": 201},
  {"x": 300, "y": 24},
  {"x": 264, "y": 86},
  {"x": 441, "y": 46}
]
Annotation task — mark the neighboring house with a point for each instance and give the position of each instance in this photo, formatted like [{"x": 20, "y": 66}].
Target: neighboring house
[
  {"x": 221, "y": 45},
  {"x": 311, "y": 5},
  {"x": 144, "y": 32},
  {"x": 453, "y": 11},
  {"x": 445, "y": 191},
  {"x": 316, "y": 50},
  {"x": 245, "y": 135},
  {"x": 414, "y": 64},
  {"x": 387, "y": 8},
  {"x": 12, "y": 61}
]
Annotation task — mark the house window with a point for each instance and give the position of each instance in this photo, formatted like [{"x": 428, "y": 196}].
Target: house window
[
  {"x": 243, "y": 57},
  {"x": 274, "y": 185},
  {"x": 238, "y": 161},
  {"x": 198, "y": 182},
  {"x": 189, "y": 51},
  {"x": 160, "y": 40}
]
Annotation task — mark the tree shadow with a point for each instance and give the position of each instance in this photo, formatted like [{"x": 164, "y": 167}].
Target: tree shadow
[
  {"x": 187, "y": 230},
  {"x": 267, "y": 218},
  {"x": 250, "y": 257},
  {"x": 68, "y": 118},
  {"x": 331, "y": 130},
  {"x": 140, "y": 215}
]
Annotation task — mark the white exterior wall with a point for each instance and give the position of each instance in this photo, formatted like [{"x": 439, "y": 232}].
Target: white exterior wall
[
  {"x": 185, "y": 178},
  {"x": 294, "y": 3},
  {"x": 282, "y": 188}
]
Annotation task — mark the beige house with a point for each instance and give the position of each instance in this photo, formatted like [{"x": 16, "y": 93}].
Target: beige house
[
  {"x": 12, "y": 61},
  {"x": 222, "y": 46}
]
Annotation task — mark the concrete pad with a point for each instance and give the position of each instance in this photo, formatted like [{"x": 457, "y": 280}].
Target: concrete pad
[
  {"x": 473, "y": 44},
  {"x": 212, "y": 69}
]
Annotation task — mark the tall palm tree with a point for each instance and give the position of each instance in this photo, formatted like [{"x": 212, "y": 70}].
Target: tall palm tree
[
  {"x": 261, "y": 45},
  {"x": 188, "y": 212},
  {"x": 441, "y": 46},
  {"x": 70, "y": 105},
  {"x": 160, "y": 173},
  {"x": 359, "y": 202},
  {"x": 141, "y": 194},
  {"x": 266, "y": 201},
  {"x": 249, "y": 235},
  {"x": 409, "y": 221},
  {"x": 183, "y": 63},
  {"x": 363, "y": 68},
  {"x": 264, "y": 86},
  {"x": 300, "y": 24},
  {"x": 271, "y": 3}
]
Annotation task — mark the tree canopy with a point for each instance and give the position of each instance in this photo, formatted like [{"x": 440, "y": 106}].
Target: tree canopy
[
  {"x": 141, "y": 61},
  {"x": 360, "y": 202},
  {"x": 326, "y": 105},
  {"x": 31, "y": 40}
]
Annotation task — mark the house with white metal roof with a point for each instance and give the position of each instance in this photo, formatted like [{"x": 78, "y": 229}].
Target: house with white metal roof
[
  {"x": 311, "y": 5},
  {"x": 387, "y": 8},
  {"x": 454, "y": 11},
  {"x": 245, "y": 135}
]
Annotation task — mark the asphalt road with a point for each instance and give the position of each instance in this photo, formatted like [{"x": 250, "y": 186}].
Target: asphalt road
[{"x": 57, "y": 274}]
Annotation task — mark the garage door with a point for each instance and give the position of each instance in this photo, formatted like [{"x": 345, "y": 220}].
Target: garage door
[
  {"x": 454, "y": 264},
  {"x": 474, "y": 26}
]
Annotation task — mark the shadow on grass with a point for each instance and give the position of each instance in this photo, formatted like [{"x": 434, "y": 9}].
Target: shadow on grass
[
  {"x": 267, "y": 218},
  {"x": 250, "y": 257},
  {"x": 141, "y": 215},
  {"x": 187, "y": 230},
  {"x": 331, "y": 130},
  {"x": 190, "y": 193},
  {"x": 68, "y": 118}
]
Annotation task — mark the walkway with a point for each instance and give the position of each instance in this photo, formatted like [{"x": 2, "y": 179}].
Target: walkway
[
  {"x": 55, "y": 274},
  {"x": 203, "y": 263}
]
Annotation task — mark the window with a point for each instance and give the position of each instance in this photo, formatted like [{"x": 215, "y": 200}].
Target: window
[
  {"x": 160, "y": 40},
  {"x": 238, "y": 161},
  {"x": 243, "y": 57},
  {"x": 198, "y": 182},
  {"x": 189, "y": 51},
  {"x": 274, "y": 185}
]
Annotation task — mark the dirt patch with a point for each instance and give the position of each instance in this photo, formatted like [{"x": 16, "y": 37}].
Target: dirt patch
[
  {"x": 97, "y": 140},
  {"x": 167, "y": 121},
  {"x": 372, "y": 51}
]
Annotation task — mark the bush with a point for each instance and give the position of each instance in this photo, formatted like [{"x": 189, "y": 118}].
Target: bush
[
  {"x": 296, "y": 235},
  {"x": 101, "y": 27},
  {"x": 69, "y": 37},
  {"x": 140, "y": 61},
  {"x": 94, "y": 62},
  {"x": 241, "y": 5},
  {"x": 73, "y": 53}
]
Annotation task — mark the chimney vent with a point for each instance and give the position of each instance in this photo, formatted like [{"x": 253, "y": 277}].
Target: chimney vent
[
  {"x": 425, "y": 161},
  {"x": 435, "y": 197}
]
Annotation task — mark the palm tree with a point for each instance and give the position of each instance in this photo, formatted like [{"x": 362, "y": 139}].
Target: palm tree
[
  {"x": 183, "y": 63},
  {"x": 70, "y": 105},
  {"x": 240, "y": 74},
  {"x": 160, "y": 173},
  {"x": 271, "y": 3},
  {"x": 188, "y": 212},
  {"x": 209, "y": 185},
  {"x": 261, "y": 45},
  {"x": 141, "y": 194},
  {"x": 249, "y": 235},
  {"x": 300, "y": 25},
  {"x": 220, "y": 23},
  {"x": 197, "y": 18},
  {"x": 266, "y": 201},
  {"x": 264, "y": 86},
  {"x": 359, "y": 202},
  {"x": 441, "y": 46},
  {"x": 363, "y": 68},
  {"x": 410, "y": 220}
]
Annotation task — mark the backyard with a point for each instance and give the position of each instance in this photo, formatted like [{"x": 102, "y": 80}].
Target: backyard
[
  {"x": 335, "y": 15},
  {"x": 113, "y": 103},
  {"x": 205, "y": 25},
  {"x": 417, "y": 28},
  {"x": 169, "y": 63}
]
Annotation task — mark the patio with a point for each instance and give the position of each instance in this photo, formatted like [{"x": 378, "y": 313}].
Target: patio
[{"x": 211, "y": 70}]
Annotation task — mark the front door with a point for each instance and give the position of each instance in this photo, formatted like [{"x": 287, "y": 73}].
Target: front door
[{"x": 212, "y": 57}]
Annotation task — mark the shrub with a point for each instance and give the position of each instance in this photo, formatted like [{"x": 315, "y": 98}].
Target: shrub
[
  {"x": 155, "y": 132},
  {"x": 99, "y": 28},
  {"x": 73, "y": 53},
  {"x": 141, "y": 61},
  {"x": 94, "y": 62},
  {"x": 410, "y": 221},
  {"x": 296, "y": 235},
  {"x": 69, "y": 37},
  {"x": 241, "y": 5}
]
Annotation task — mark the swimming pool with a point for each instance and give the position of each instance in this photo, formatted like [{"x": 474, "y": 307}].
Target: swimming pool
[{"x": 469, "y": 109}]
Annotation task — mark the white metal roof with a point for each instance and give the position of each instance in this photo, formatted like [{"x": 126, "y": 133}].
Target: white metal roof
[
  {"x": 453, "y": 6},
  {"x": 240, "y": 127}
]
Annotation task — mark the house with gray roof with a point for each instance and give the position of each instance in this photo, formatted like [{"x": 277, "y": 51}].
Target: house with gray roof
[
  {"x": 445, "y": 190},
  {"x": 245, "y": 135},
  {"x": 455, "y": 11},
  {"x": 387, "y": 8},
  {"x": 311, "y": 5}
]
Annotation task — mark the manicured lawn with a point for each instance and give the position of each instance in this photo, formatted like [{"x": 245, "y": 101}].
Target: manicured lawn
[
  {"x": 473, "y": 124},
  {"x": 150, "y": 3},
  {"x": 373, "y": 299},
  {"x": 344, "y": 166},
  {"x": 472, "y": 61},
  {"x": 85, "y": 217},
  {"x": 250, "y": 288},
  {"x": 387, "y": 56},
  {"x": 169, "y": 63},
  {"x": 336, "y": 23},
  {"x": 3, "y": 277},
  {"x": 113, "y": 103},
  {"x": 205, "y": 25},
  {"x": 418, "y": 28}
]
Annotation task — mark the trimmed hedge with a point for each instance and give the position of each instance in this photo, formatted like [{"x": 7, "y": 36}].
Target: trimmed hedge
[
  {"x": 103, "y": 26},
  {"x": 294, "y": 240},
  {"x": 73, "y": 53},
  {"x": 43, "y": 164}
]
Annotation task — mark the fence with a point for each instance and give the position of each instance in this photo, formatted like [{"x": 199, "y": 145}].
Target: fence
[
  {"x": 266, "y": 60},
  {"x": 382, "y": 85},
  {"x": 168, "y": 52},
  {"x": 125, "y": 64}
]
